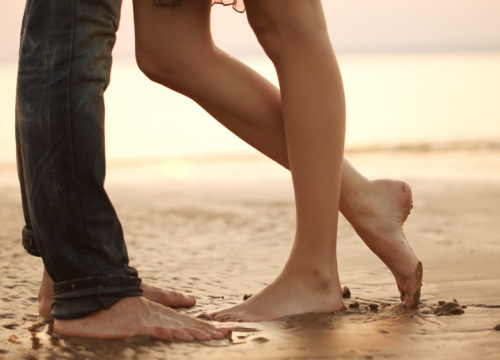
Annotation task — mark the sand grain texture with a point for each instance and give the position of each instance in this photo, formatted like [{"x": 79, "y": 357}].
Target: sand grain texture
[{"x": 221, "y": 229}]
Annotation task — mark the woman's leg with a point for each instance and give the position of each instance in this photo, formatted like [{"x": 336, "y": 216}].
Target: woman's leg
[
  {"x": 295, "y": 38},
  {"x": 174, "y": 48}
]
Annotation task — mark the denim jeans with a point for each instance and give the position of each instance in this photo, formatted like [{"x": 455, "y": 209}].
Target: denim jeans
[{"x": 64, "y": 69}]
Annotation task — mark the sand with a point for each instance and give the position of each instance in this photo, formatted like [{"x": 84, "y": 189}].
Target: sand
[{"x": 221, "y": 228}]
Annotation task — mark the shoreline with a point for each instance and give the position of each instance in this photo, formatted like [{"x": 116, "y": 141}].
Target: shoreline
[{"x": 416, "y": 148}]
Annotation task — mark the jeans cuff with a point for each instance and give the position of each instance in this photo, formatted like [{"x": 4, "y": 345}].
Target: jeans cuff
[
  {"x": 82, "y": 297},
  {"x": 29, "y": 241}
]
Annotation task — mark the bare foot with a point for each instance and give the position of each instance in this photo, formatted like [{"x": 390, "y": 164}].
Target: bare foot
[
  {"x": 289, "y": 294},
  {"x": 138, "y": 316},
  {"x": 45, "y": 295},
  {"x": 377, "y": 213},
  {"x": 150, "y": 292}
]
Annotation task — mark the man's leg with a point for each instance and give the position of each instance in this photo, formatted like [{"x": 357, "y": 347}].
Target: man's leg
[
  {"x": 153, "y": 293},
  {"x": 65, "y": 61},
  {"x": 63, "y": 71}
]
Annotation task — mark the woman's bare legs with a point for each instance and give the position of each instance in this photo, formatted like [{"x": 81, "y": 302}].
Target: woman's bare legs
[
  {"x": 174, "y": 48},
  {"x": 294, "y": 36}
]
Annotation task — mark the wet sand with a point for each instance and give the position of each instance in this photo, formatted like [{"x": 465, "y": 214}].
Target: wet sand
[{"x": 221, "y": 228}]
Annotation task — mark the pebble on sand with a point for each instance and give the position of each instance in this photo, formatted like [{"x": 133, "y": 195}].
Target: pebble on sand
[
  {"x": 14, "y": 339},
  {"x": 354, "y": 305},
  {"x": 497, "y": 328},
  {"x": 448, "y": 308},
  {"x": 261, "y": 339},
  {"x": 346, "y": 292}
]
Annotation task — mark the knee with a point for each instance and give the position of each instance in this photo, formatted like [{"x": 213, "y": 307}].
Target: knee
[
  {"x": 170, "y": 67},
  {"x": 267, "y": 34},
  {"x": 278, "y": 31},
  {"x": 158, "y": 66}
]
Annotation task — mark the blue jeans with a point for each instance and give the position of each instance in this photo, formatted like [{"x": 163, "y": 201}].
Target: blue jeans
[{"x": 64, "y": 69}]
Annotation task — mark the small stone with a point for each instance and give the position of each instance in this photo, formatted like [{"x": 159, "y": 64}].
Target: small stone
[
  {"x": 261, "y": 339},
  {"x": 448, "y": 308},
  {"x": 346, "y": 293},
  {"x": 373, "y": 307},
  {"x": 441, "y": 302},
  {"x": 13, "y": 339},
  {"x": 246, "y": 297},
  {"x": 384, "y": 331},
  {"x": 497, "y": 328},
  {"x": 354, "y": 305}
]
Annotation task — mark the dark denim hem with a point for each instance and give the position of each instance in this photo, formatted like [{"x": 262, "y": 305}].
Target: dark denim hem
[
  {"x": 29, "y": 242},
  {"x": 82, "y": 297}
]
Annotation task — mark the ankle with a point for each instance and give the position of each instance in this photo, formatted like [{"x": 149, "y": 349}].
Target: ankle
[{"x": 312, "y": 277}]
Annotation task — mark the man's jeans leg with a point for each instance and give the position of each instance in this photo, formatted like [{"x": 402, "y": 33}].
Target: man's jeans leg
[{"x": 64, "y": 69}]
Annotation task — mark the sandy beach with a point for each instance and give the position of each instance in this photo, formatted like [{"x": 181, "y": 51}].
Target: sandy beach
[{"x": 221, "y": 228}]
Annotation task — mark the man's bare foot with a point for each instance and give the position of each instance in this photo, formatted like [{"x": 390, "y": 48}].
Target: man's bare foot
[
  {"x": 377, "y": 213},
  {"x": 150, "y": 292},
  {"x": 45, "y": 295},
  {"x": 289, "y": 294},
  {"x": 138, "y": 316}
]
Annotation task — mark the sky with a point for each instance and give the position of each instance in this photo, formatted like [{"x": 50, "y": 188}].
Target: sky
[{"x": 354, "y": 25}]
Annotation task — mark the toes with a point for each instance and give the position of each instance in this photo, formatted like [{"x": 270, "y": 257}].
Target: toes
[
  {"x": 167, "y": 298},
  {"x": 162, "y": 333},
  {"x": 411, "y": 300},
  {"x": 188, "y": 334},
  {"x": 219, "y": 317},
  {"x": 225, "y": 317},
  {"x": 416, "y": 297},
  {"x": 218, "y": 335},
  {"x": 201, "y": 334},
  {"x": 208, "y": 333},
  {"x": 224, "y": 331},
  {"x": 409, "y": 303},
  {"x": 176, "y": 299},
  {"x": 181, "y": 334},
  {"x": 205, "y": 316}
]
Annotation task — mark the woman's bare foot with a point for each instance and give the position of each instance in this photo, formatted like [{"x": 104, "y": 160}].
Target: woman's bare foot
[
  {"x": 377, "y": 212},
  {"x": 150, "y": 292},
  {"x": 289, "y": 294},
  {"x": 138, "y": 316}
]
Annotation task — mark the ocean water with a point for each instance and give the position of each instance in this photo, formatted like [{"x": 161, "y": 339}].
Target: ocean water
[{"x": 392, "y": 99}]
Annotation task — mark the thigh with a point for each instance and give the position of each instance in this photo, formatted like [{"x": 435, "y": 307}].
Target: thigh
[{"x": 167, "y": 29}]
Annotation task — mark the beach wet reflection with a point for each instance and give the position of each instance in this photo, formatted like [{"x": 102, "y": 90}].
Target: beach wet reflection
[
  {"x": 346, "y": 334},
  {"x": 352, "y": 334},
  {"x": 224, "y": 234}
]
